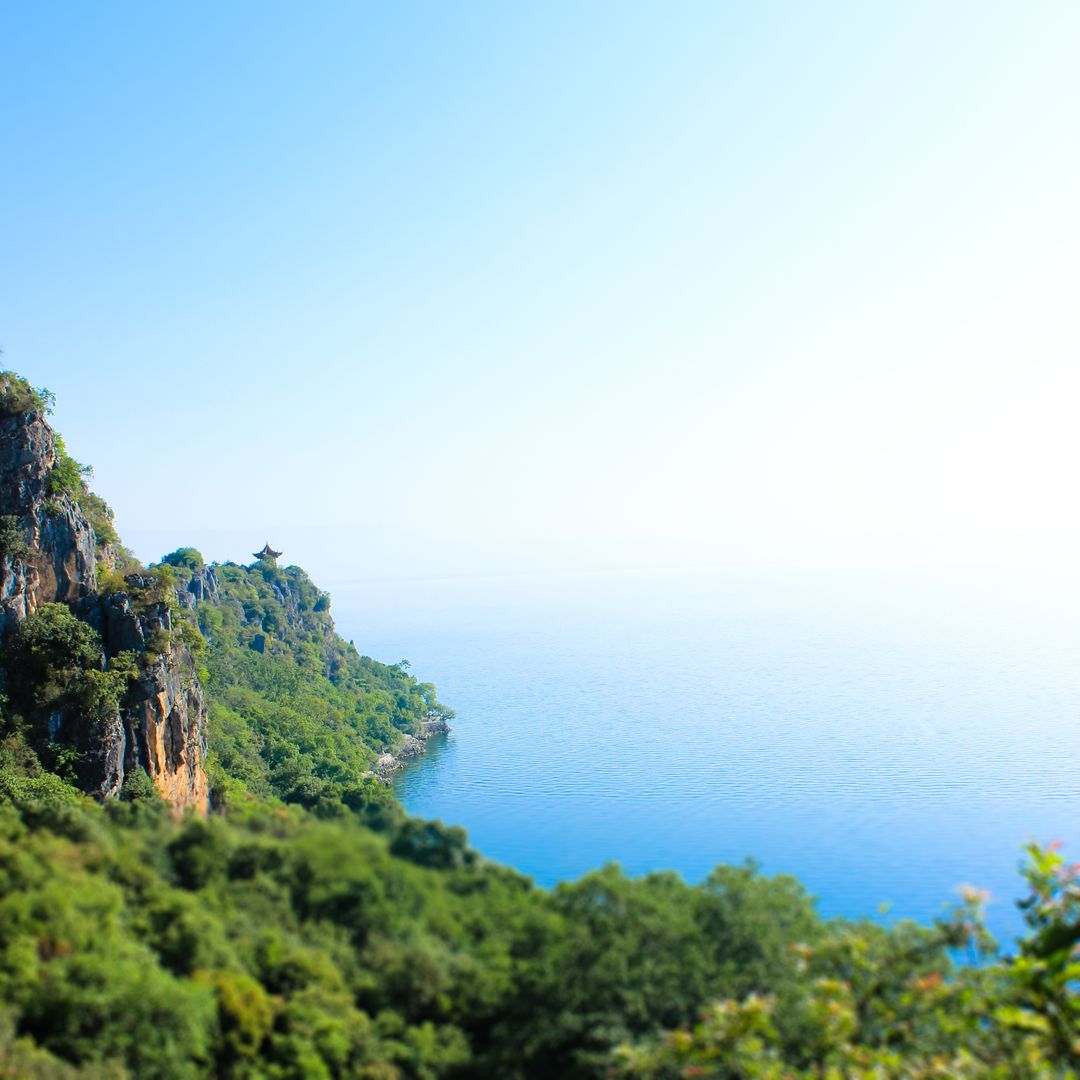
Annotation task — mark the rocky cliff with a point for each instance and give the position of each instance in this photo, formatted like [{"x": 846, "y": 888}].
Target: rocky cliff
[
  {"x": 164, "y": 716},
  {"x": 161, "y": 716},
  {"x": 49, "y": 554},
  {"x": 49, "y": 550}
]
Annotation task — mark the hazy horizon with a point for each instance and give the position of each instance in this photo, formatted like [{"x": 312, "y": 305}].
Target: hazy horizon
[{"x": 448, "y": 291}]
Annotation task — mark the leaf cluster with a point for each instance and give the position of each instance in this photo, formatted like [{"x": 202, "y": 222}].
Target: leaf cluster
[
  {"x": 877, "y": 1004},
  {"x": 18, "y": 396}
]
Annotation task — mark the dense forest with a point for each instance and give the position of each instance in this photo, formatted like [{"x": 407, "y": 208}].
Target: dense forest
[{"x": 230, "y": 888}]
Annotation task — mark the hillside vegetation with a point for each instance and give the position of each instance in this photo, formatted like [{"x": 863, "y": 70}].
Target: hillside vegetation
[
  {"x": 296, "y": 713},
  {"x": 294, "y": 922}
]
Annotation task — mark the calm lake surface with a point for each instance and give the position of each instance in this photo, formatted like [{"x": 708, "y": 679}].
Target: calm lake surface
[{"x": 884, "y": 744}]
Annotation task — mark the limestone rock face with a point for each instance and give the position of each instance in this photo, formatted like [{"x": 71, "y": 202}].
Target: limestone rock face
[
  {"x": 410, "y": 746},
  {"x": 202, "y": 585},
  {"x": 160, "y": 723},
  {"x": 295, "y": 617},
  {"x": 162, "y": 718},
  {"x": 20, "y": 590},
  {"x": 101, "y": 747},
  {"x": 123, "y": 626},
  {"x": 57, "y": 562}
]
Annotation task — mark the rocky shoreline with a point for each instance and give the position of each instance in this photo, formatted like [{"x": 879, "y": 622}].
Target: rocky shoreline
[{"x": 412, "y": 746}]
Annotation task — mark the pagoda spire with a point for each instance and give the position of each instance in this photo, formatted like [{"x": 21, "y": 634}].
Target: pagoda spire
[{"x": 267, "y": 553}]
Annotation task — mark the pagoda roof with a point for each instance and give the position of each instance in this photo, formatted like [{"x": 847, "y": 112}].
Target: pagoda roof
[{"x": 267, "y": 553}]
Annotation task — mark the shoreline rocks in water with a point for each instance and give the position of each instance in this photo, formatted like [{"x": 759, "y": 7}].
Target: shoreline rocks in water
[{"x": 411, "y": 746}]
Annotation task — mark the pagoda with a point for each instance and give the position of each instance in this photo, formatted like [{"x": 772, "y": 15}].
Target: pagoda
[{"x": 267, "y": 553}]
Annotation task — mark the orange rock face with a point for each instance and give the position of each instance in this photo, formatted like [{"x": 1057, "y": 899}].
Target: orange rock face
[{"x": 165, "y": 718}]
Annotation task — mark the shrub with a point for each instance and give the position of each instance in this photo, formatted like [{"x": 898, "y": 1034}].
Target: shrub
[
  {"x": 138, "y": 787},
  {"x": 191, "y": 637},
  {"x": 18, "y": 396},
  {"x": 187, "y": 558},
  {"x": 165, "y": 576},
  {"x": 50, "y": 650},
  {"x": 100, "y": 516},
  {"x": 125, "y": 560},
  {"x": 110, "y": 581},
  {"x": 67, "y": 476},
  {"x": 12, "y": 541}
]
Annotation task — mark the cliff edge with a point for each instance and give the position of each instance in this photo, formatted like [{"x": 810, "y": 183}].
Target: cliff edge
[
  {"x": 98, "y": 674},
  {"x": 49, "y": 545}
]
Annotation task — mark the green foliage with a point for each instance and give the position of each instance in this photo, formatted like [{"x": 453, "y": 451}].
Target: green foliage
[
  {"x": 876, "y": 1004},
  {"x": 104, "y": 689},
  {"x": 125, "y": 575},
  {"x": 61, "y": 694},
  {"x": 279, "y": 945},
  {"x": 309, "y": 929},
  {"x": 1048, "y": 968},
  {"x": 164, "y": 580},
  {"x": 192, "y": 637},
  {"x": 100, "y": 515},
  {"x": 305, "y": 717},
  {"x": 110, "y": 581},
  {"x": 13, "y": 542},
  {"x": 186, "y": 558},
  {"x": 431, "y": 843},
  {"x": 51, "y": 652},
  {"x": 67, "y": 476},
  {"x": 44, "y": 800},
  {"x": 138, "y": 787},
  {"x": 18, "y": 396}
]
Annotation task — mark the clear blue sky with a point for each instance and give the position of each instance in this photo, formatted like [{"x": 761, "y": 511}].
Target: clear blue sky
[{"x": 462, "y": 288}]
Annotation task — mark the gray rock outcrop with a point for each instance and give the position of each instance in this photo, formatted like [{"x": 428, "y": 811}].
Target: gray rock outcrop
[
  {"x": 50, "y": 556},
  {"x": 55, "y": 560}
]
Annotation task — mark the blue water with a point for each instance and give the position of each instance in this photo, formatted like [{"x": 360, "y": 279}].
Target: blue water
[{"x": 885, "y": 743}]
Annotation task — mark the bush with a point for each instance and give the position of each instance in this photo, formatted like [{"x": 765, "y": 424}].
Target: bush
[
  {"x": 18, "y": 396},
  {"x": 50, "y": 651},
  {"x": 138, "y": 787},
  {"x": 110, "y": 581},
  {"x": 186, "y": 558},
  {"x": 192, "y": 637},
  {"x": 67, "y": 476},
  {"x": 100, "y": 516},
  {"x": 13, "y": 542}
]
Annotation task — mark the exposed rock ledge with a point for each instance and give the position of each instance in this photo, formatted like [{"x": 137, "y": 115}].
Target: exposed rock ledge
[{"x": 160, "y": 722}]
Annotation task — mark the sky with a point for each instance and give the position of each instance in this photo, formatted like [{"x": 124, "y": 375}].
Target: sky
[{"x": 423, "y": 290}]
